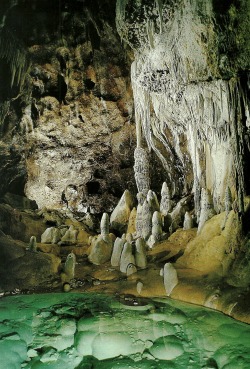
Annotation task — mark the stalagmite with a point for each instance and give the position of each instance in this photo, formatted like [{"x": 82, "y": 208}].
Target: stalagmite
[
  {"x": 70, "y": 237},
  {"x": 127, "y": 258},
  {"x": 105, "y": 227},
  {"x": 188, "y": 221},
  {"x": 170, "y": 278},
  {"x": 207, "y": 209},
  {"x": 153, "y": 201},
  {"x": 146, "y": 220},
  {"x": 140, "y": 253},
  {"x": 129, "y": 237},
  {"x": 157, "y": 225},
  {"x": 156, "y": 233},
  {"x": 32, "y": 244},
  {"x": 178, "y": 213},
  {"x": 117, "y": 251},
  {"x": 120, "y": 215},
  {"x": 141, "y": 169},
  {"x": 51, "y": 235},
  {"x": 101, "y": 246},
  {"x": 166, "y": 204},
  {"x": 139, "y": 214},
  {"x": 100, "y": 249},
  {"x": 69, "y": 266}
]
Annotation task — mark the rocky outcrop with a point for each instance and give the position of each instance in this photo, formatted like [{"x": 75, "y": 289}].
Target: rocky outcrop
[
  {"x": 70, "y": 134},
  {"x": 24, "y": 269}
]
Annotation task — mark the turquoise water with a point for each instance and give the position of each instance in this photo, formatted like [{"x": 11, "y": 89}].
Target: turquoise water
[{"x": 86, "y": 331}]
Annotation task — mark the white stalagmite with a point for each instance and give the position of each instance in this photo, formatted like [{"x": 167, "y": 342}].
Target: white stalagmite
[
  {"x": 153, "y": 201},
  {"x": 157, "y": 225},
  {"x": 117, "y": 251},
  {"x": 147, "y": 220},
  {"x": 127, "y": 258},
  {"x": 69, "y": 266},
  {"x": 166, "y": 204},
  {"x": 207, "y": 208},
  {"x": 140, "y": 253},
  {"x": 70, "y": 236},
  {"x": 51, "y": 235},
  {"x": 188, "y": 221},
  {"x": 170, "y": 278},
  {"x": 105, "y": 227},
  {"x": 120, "y": 215},
  {"x": 139, "y": 214},
  {"x": 141, "y": 169}
]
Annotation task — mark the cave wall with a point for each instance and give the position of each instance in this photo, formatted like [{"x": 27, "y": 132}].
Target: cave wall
[
  {"x": 190, "y": 81},
  {"x": 67, "y": 130}
]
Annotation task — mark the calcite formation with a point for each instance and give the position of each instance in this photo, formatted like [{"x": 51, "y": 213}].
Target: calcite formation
[
  {"x": 141, "y": 170},
  {"x": 117, "y": 250},
  {"x": 170, "y": 278},
  {"x": 166, "y": 203},
  {"x": 69, "y": 266},
  {"x": 189, "y": 92},
  {"x": 127, "y": 259},
  {"x": 140, "y": 253},
  {"x": 120, "y": 216}
]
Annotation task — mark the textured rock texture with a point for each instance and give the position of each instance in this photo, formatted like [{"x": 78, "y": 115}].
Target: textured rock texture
[
  {"x": 68, "y": 127},
  {"x": 191, "y": 89}
]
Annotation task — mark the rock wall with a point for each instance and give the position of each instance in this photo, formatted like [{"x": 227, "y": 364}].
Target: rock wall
[
  {"x": 72, "y": 119},
  {"x": 191, "y": 91}
]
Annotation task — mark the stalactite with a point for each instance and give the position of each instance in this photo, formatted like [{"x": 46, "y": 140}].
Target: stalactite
[{"x": 12, "y": 52}]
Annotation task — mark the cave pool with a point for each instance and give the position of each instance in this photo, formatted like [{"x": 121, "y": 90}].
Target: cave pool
[{"x": 91, "y": 331}]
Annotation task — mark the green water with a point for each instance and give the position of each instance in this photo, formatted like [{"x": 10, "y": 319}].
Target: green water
[{"x": 84, "y": 331}]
